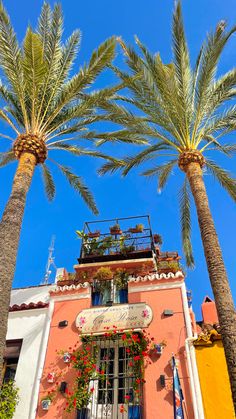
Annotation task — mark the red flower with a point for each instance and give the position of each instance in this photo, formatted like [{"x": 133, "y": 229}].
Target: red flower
[
  {"x": 102, "y": 372},
  {"x": 74, "y": 402},
  {"x": 137, "y": 358},
  {"x": 122, "y": 409},
  {"x": 131, "y": 364},
  {"x": 138, "y": 380},
  {"x": 127, "y": 397},
  {"x": 92, "y": 389},
  {"x": 128, "y": 351},
  {"x": 124, "y": 336}
]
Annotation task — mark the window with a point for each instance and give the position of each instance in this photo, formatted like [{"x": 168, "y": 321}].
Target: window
[
  {"x": 11, "y": 358},
  {"x": 106, "y": 292},
  {"x": 113, "y": 396}
]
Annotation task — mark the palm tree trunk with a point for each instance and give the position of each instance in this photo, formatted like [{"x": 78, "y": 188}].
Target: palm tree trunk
[
  {"x": 217, "y": 272},
  {"x": 10, "y": 228}
]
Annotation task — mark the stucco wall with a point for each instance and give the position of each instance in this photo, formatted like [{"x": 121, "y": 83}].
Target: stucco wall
[
  {"x": 29, "y": 326},
  {"x": 158, "y": 400},
  {"x": 214, "y": 381}
]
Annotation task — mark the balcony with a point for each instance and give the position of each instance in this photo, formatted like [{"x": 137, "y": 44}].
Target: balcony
[{"x": 116, "y": 239}]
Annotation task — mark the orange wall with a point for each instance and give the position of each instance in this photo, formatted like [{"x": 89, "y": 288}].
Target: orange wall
[
  {"x": 158, "y": 400},
  {"x": 209, "y": 313},
  {"x": 172, "y": 329}
]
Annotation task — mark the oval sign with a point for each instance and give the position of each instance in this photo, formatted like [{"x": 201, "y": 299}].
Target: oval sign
[{"x": 123, "y": 316}]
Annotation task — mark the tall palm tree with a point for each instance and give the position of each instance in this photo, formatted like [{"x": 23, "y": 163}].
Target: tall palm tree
[
  {"x": 181, "y": 112},
  {"x": 46, "y": 108}
]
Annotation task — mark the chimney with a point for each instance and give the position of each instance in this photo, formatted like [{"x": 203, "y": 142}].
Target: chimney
[{"x": 209, "y": 313}]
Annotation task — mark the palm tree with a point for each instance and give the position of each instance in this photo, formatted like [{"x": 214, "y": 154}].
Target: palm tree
[
  {"x": 181, "y": 112},
  {"x": 46, "y": 108}
]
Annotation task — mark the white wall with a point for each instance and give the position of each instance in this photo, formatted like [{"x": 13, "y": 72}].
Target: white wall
[{"x": 29, "y": 326}]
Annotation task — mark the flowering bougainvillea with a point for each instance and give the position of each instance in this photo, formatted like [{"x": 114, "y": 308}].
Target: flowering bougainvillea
[{"x": 84, "y": 359}]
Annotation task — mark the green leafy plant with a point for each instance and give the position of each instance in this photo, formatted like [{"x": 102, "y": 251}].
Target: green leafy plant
[
  {"x": 9, "y": 399},
  {"x": 84, "y": 360},
  {"x": 103, "y": 274},
  {"x": 121, "y": 277},
  {"x": 115, "y": 228},
  {"x": 157, "y": 239}
]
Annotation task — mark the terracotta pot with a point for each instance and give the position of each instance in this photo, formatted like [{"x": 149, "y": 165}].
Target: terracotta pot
[
  {"x": 114, "y": 232},
  {"x": 93, "y": 235}
]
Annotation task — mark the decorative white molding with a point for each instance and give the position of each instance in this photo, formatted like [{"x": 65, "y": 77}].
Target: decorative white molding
[
  {"x": 70, "y": 287},
  {"x": 154, "y": 276}
]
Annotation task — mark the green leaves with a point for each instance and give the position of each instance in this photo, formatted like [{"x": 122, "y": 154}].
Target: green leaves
[
  {"x": 162, "y": 171},
  {"x": 185, "y": 218},
  {"x": 224, "y": 178},
  {"x": 78, "y": 184},
  {"x": 48, "y": 182}
]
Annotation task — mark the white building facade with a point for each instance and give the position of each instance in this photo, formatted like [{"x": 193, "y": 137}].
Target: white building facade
[{"x": 29, "y": 319}]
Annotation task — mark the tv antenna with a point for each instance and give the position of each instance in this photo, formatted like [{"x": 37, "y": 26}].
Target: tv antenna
[{"x": 50, "y": 261}]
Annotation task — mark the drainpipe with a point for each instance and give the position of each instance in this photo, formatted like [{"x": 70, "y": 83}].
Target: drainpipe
[
  {"x": 191, "y": 360},
  {"x": 42, "y": 353}
]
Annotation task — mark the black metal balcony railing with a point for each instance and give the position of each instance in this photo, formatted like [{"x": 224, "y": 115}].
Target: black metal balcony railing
[{"x": 116, "y": 239}]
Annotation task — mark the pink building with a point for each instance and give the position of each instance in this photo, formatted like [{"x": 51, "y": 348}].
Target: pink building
[{"x": 140, "y": 293}]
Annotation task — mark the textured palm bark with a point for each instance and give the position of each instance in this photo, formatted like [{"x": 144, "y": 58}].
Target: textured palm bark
[
  {"x": 10, "y": 228},
  {"x": 217, "y": 272}
]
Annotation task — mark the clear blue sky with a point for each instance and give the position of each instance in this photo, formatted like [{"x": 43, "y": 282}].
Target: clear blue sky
[{"x": 151, "y": 21}]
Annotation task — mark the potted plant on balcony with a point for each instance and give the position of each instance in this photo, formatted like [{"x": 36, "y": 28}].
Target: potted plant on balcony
[
  {"x": 121, "y": 282},
  {"x": 94, "y": 234},
  {"x": 137, "y": 229},
  {"x": 103, "y": 274},
  {"x": 157, "y": 239},
  {"x": 115, "y": 229}
]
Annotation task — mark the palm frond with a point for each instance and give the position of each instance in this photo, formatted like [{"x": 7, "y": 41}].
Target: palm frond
[
  {"x": 34, "y": 67},
  {"x": 7, "y": 119},
  {"x": 111, "y": 167},
  {"x": 221, "y": 124},
  {"x": 44, "y": 24},
  {"x": 211, "y": 52},
  {"x": 224, "y": 178},
  {"x": 147, "y": 154},
  {"x": 49, "y": 184},
  {"x": 124, "y": 136},
  {"x": 78, "y": 184},
  {"x": 7, "y": 157},
  {"x": 162, "y": 171},
  {"x": 10, "y": 59},
  {"x": 183, "y": 72},
  {"x": 52, "y": 56},
  {"x": 185, "y": 218}
]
